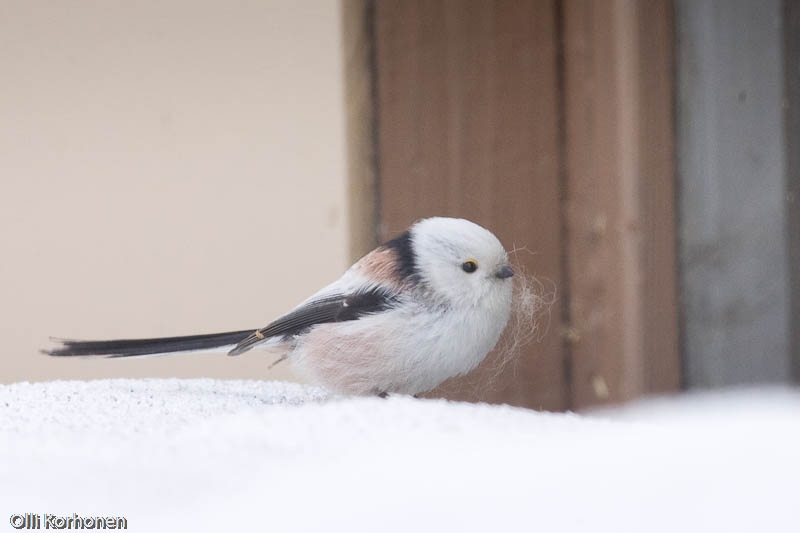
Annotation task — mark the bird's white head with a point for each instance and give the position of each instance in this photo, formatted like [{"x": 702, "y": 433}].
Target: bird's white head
[{"x": 462, "y": 262}]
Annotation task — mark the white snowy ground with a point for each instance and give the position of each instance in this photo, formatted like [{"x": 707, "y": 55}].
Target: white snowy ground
[{"x": 203, "y": 455}]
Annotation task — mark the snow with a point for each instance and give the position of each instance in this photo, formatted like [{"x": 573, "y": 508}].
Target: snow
[{"x": 206, "y": 455}]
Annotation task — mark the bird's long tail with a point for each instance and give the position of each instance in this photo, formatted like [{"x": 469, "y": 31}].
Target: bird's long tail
[{"x": 135, "y": 347}]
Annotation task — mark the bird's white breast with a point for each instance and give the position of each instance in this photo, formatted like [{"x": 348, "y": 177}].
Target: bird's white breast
[{"x": 408, "y": 350}]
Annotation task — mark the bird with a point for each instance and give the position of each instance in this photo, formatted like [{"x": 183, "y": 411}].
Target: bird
[{"x": 425, "y": 306}]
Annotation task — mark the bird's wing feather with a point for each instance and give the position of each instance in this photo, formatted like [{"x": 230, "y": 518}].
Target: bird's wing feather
[{"x": 323, "y": 309}]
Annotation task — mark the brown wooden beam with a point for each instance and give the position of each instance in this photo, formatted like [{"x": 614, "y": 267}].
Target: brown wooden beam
[
  {"x": 791, "y": 47},
  {"x": 620, "y": 199},
  {"x": 359, "y": 58},
  {"x": 468, "y": 126}
]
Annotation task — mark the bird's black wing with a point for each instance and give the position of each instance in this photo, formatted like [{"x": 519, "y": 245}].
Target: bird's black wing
[{"x": 332, "y": 308}]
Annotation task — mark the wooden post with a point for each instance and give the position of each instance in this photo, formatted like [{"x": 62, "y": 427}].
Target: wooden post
[
  {"x": 468, "y": 126},
  {"x": 791, "y": 51},
  {"x": 732, "y": 134},
  {"x": 358, "y": 27},
  {"x": 549, "y": 122},
  {"x": 620, "y": 199}
]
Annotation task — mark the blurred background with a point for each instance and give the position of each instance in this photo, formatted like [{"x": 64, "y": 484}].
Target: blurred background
[{"x": 180, "y": 167}]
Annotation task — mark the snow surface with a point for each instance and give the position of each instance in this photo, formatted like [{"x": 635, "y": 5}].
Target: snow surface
[{"x": 205, "y": 455}]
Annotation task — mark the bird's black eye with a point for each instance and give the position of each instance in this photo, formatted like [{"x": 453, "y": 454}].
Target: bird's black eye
[{"x": 469, "y": 266}]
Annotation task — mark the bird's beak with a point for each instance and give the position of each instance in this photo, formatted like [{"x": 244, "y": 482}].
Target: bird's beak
[{"x": 504, "y": 272}]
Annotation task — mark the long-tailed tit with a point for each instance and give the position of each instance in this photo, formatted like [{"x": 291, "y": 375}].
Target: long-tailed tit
[{"x": 423, "y": 307}]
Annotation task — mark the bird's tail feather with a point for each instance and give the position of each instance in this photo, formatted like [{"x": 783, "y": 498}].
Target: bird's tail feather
[{"x": 137, "y": 347}]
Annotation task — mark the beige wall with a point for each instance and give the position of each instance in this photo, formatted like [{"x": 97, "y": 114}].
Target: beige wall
[{"x": 166, "y": 167}]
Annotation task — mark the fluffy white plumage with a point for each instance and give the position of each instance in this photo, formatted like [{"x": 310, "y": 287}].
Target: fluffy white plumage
[
  {"x": 444, "y": 324},
  {"x": 415, "y": 311}
]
